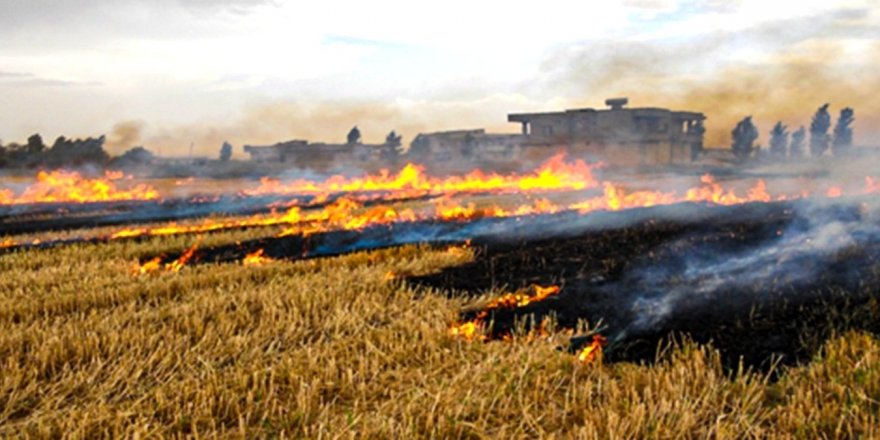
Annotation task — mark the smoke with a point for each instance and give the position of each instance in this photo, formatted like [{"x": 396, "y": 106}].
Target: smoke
[
  {"x": 778, "y": 72},
  {"x": 329, "y": 122},
  {"x": 801, "y": 254},
  {"x": 125, "y": 135}
]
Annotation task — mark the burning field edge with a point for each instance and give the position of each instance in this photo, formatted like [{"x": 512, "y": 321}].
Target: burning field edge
[{"x": 757, "y": 285}]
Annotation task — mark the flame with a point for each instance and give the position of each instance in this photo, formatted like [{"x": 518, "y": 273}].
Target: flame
[
  {"x": 155, "y": 264},
  {"x": 554, "y": 175},
  {"x": 150, "y": 266},
  {"x": 71, "y": 187},
  {"x": 256, "y": 258},
  {"x": 471, "y": 330},
  {"x": 592, "y": 351},
  {"x": 350, "y": 212}
]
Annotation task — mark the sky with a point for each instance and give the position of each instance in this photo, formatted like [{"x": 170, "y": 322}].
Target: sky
[{"x": 169, "y": 73}]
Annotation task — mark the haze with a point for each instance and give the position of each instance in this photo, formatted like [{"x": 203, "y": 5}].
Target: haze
[{"x": 167, "y": 73}]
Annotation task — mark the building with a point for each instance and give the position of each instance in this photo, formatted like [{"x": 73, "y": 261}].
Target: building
[
  {"x": 281, "y": 152},
  {"x": 302, "y": 154},
  {"x": 466, "y": 144},
  {"x": 618, "y": 135}
]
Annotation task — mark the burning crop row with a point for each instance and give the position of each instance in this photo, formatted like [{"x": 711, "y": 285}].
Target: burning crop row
[
  {"x": 349, "y": 215},
  {"x": 556, "y": 174},
  {"x": 71, "y": 187}
]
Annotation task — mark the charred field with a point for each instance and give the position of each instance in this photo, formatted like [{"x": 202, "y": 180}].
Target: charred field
[{"x": 590, "y": 311}]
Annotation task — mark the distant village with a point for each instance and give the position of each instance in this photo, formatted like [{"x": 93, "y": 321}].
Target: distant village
[{"x": 619, "y": 136}]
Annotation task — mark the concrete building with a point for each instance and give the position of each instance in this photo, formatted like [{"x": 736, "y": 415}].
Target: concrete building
[
  {"x": 619, "y": 135},
  {"x": 302, "y": 154},
  {"x": 282, "y": 152},
  {"x": 473, "y": 144}
]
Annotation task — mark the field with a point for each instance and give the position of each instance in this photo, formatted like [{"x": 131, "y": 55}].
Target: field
[{"x": 360, "y": 344}]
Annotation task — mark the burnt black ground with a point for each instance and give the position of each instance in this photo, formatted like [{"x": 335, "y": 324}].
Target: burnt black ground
[
  {"x": 614, "y": 267},
  {"x": 779, "y": 320}
]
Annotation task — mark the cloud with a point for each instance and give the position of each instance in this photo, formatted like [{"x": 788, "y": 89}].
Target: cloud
[
  {"x": 16, "y": 75},
  {"x": 15, "y": 79}
]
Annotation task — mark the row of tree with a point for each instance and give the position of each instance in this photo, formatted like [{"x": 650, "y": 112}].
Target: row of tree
[
  {"x": 785, "y": 144},
  {"x": 63, "y": 152}
]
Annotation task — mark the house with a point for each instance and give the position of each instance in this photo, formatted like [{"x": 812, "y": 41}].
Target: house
[{"x": 618, "y": 135}]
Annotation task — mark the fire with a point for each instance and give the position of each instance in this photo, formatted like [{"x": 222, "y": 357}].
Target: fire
[
  {"x": 471, "y": 329},
  {"x": 71, "y": 187},
  {"x": 554, "y": 175},
  {"x": 256, "y": 258},
  {"x": 593, "y": 350},
  {"x": 155, "y": 264},
  {"x": 150, "y": 266}
]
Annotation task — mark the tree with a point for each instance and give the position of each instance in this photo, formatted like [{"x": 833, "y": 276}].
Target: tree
[
  {"x": 393, "y": 140},
  {"x": 134, "y": 157},
  {"x": 819, "y": 131},
  {"x": 796, "y": 147},
  {"x": 66, "y": 152},
  {"x": 35, "y": 144},
  {"x": 778, "y": 140},
  {"x": 843, "y": 133},
  {"x": 225, "y": 152},
  {"x": 744, "y": 136},
  {"x": 354, "y": 136}
]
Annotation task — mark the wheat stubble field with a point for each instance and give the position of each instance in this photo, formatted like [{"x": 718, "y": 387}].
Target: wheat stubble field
[{"x": 343, "y": 347}]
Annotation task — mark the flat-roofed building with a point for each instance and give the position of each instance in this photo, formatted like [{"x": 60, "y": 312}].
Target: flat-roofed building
[{"x": 619, "y": 135}]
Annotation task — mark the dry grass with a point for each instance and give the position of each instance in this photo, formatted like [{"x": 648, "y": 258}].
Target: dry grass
[{"x": 333, "y": 348}]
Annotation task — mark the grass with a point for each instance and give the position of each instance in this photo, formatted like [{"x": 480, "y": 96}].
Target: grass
[{"x": 337, "y": 348}]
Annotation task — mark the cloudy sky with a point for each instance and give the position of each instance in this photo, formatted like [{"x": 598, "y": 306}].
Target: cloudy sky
[{"x": 165, "y": 73}]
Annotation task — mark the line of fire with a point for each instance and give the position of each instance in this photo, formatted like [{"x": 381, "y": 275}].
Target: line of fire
[{"x": 615, "y": 260}]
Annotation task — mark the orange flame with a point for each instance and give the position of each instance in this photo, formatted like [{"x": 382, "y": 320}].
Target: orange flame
[
  {"x": 256, "y": 258},
  {"x": 70, "y": 187},
  {"x": 471, "y": 329},
  {"x": 554, "y": 175},
  {"x": 155, "y": 264},
  {"x": 592, "y": 351}
]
